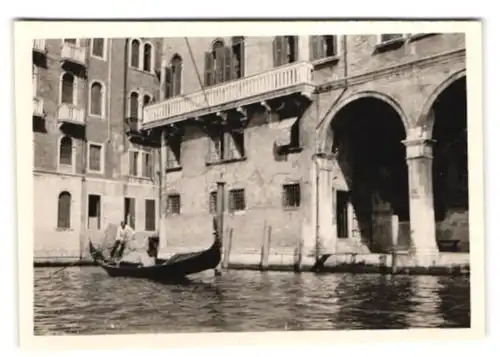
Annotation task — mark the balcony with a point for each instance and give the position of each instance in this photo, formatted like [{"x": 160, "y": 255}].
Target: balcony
[
  {"x": 38, "y": 107},
  {"x": 69, "y": 114},
  {"x": 39, "y": 46},
  {"x": 73, "y": 57},
  {"x": 279, "y": 82}
]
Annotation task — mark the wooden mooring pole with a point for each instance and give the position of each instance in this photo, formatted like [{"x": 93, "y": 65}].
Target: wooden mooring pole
[
  {"x": 220, "y": 221},
  {"x": 266, "y": 243}
]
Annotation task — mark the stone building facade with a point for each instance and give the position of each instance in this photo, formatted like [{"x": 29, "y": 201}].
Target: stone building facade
[
  {"x": 90, "y": 166},
  {"x": 325, "y": 144}
]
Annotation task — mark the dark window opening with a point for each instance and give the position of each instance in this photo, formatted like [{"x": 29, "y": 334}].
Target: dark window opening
[
  {"x": 95, "y": 157},
  {"x": 96, "y": 99},
  {"x": 174, "y": 204},
  {"x": 66, "y": 151},
  {"x": 291, "y": 195},
  {"x": 70, "y": 40},
  {"x": 147, "y": 57},
  {"x": 94, "y": 212},
  {"x": 385, "y": 37},
  {"x": 150, "y": 219},
  {"x": 134, "y": 105},
  {"x": 174, "y": 152},
  {"x": 133, "y": 163},
  {"x": 237, "y": 200},
  {"x": 147, "y": 165},
  {"x": 129, "y": 212},
  {"x": 98, "y": 47},
  {"x": 213, "y": 202},
  {"x": 134, "y": 60},
  {"x": 64, "y": 210},
  {"x": 342, "y": 214},
  {"x": 67, "y": 90}
]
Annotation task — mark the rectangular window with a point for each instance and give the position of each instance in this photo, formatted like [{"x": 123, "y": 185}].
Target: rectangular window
[
  {"x": 147, "y": 165},
  {"x": 285, "y": 50},
  {"x": 323, "y": 46},
  {"x": 150, "y": 218},
  {"x": 174, "y": 204},
  {"x": 342, "y": 214},
  {"x": 174, "y": 152},
  {"x": 133, "y": 163},
  {"x": 213, "y": 202},
  {"x": 94, "y": 212},
  {"x": 237, "y": 200},
  {"x": 129, "y": 212},
  {"x": 98, "y": 47},
  {"x": 95, "y": 155},
  {"x": 291, "y": 195}
]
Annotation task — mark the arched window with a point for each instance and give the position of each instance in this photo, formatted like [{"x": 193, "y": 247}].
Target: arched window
[
  {"x": 147, "y": 57},
  {"x": 134, "y": 105},
  {"x": 96, "y": 99},
  {"x": 175, "y": 75},
  {"x": 238, "y": 56},
  {"x": 66, "y": 151},
  {"x": 135, "y": 53},
  {"x": 146, "y": 100},
  {"x": 218, "y": 54},
  {"x": 64, "y": 210},
  {"x": 67, "y": 88}
]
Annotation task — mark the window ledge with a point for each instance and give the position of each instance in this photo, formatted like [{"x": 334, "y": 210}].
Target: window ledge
[
  {"x": 289, "y": 149},
  {"x": 151, "y": 73},
  {"x": 291, "y": 208},
  {"x": 389, "y": 45},
  {"x": 418, "y": 36},
  {"x": 226, "y": 161},
  {"x": 64, "y": 230},
  {"x": 325, "y": 61},
  {"x": 98, "y": 57},
  {"x": 238, "y": 213},
  {"x": 173, "y": 169}
]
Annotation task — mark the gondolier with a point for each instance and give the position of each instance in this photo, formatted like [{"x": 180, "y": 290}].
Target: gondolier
[{"x": 123, "y": 233}]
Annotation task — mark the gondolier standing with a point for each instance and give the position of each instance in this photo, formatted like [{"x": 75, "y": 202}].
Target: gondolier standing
[{"x": 123, "y": 233}]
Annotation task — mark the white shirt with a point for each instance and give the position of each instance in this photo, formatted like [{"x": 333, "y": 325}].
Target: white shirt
[{"x": 122, "y": 233}]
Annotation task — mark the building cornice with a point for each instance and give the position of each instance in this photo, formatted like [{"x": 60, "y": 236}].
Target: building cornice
[{"x": 420, "y": 63}]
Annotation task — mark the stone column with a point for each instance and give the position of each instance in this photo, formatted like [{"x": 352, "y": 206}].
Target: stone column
[
  {"x": 422, "y": 221},
  {"x": 326, "y": 229},
  {"x": 163, "y": 189}
]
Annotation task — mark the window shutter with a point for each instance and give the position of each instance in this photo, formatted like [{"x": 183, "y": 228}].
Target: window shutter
[
  {"x": 219, "y": 64},
  {"x": 239, "y": 59},
  {"x": 177, "y": 75},
  {"x": 294, "y": 50},
  {"x": 278, "y": 51},
  {"x": 209, "y": 69},
  {"x": 158, "y": 59},
  {"x": 131, "y": 163},
  {"x": 168, "y": 82},
  {"x": 229, "y": 72},
  {"x": 335, "y": 45},
  {"x": 315, "y": 47}
]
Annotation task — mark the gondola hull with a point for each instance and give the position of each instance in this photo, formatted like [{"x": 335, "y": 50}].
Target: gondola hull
[{"x": 176, "y": 267}]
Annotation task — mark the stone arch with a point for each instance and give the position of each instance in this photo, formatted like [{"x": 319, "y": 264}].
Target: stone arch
[
  {"x": 424, "y": 119},
  {"x": 325, "y": 134}
]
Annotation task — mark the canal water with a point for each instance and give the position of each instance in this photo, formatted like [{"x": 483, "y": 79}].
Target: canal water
[{"x": 84, "y": 300}]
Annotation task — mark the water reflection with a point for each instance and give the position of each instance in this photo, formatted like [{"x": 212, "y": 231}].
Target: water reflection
[{"x": 87, "y": 301}]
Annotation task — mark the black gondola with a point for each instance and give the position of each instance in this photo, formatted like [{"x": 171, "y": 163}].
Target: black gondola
[{"x": 176, "y": 267}]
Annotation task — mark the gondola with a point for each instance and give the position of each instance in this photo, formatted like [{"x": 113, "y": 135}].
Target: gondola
[{"x": 176, "y": 267}]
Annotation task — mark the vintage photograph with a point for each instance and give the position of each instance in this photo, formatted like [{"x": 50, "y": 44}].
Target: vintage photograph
[{"x": 244, "y": 183}]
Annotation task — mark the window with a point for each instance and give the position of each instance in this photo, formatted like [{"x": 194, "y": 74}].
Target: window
[
  {"x": 212, "y": 204},
  {"x": 66, "y": 151},
  {"x": 174, "y": 204},
  {"x": 150, "y": 218},
  {"x": 147, "y": 57},
  {"x": 135, "y": 49},
  {"x": 224, "y": 63},
  {"x": 285, "y": 50},
  {"x": 227, "y": 145},
  {"x": 174, "y": 145},
  {"x": 98, "y": 47},
  {"x": 94, "y": 212},
  {"x": 133, "y": 163},
  {"x": 323, "y": 46},
  {"x": 386, "y": 37},
  {"x": 146, "y": 100},
  {"x": 72, "y": 41},
  {"x": 291, "y": 195},
  {"x": 147, "y": 165},
  {"x": 95, "y": 157},
  {"x": 342, "y": 214},
  {"x": 237, "y": 200},
  {"x": 96, "y": 99},
  {"x": 68, "y": 89},
  {"x": 35, "y": 81},
  {"x": 64, "y": 210},
  {"x": 173, "y": 77},
  {"x": 129, "y": 211},
  {"x": 134, "y": 105}
]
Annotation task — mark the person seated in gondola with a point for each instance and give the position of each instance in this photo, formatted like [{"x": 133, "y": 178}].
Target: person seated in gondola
[{"x": 123, "y": 233}]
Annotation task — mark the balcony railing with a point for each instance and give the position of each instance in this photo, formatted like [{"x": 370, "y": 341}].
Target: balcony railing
[
  {"x": 73, "y": 53},
  {"x": 263, "y": 86},
  {"x": 38, "y": 107},
  {"x": 70, "y": 114},
  {"x": 39, "y": 45}
]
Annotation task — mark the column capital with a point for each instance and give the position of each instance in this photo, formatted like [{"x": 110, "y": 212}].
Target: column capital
[{"x": 418, "y": 148}]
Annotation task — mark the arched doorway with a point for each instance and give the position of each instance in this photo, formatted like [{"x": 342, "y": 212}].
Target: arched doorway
[
  {"x": 371, "y": 181},
  {"x": 450, "y": 166}
]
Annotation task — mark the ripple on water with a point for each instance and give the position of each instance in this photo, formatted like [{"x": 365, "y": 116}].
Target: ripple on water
[{"x": 87, "y": 301}]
